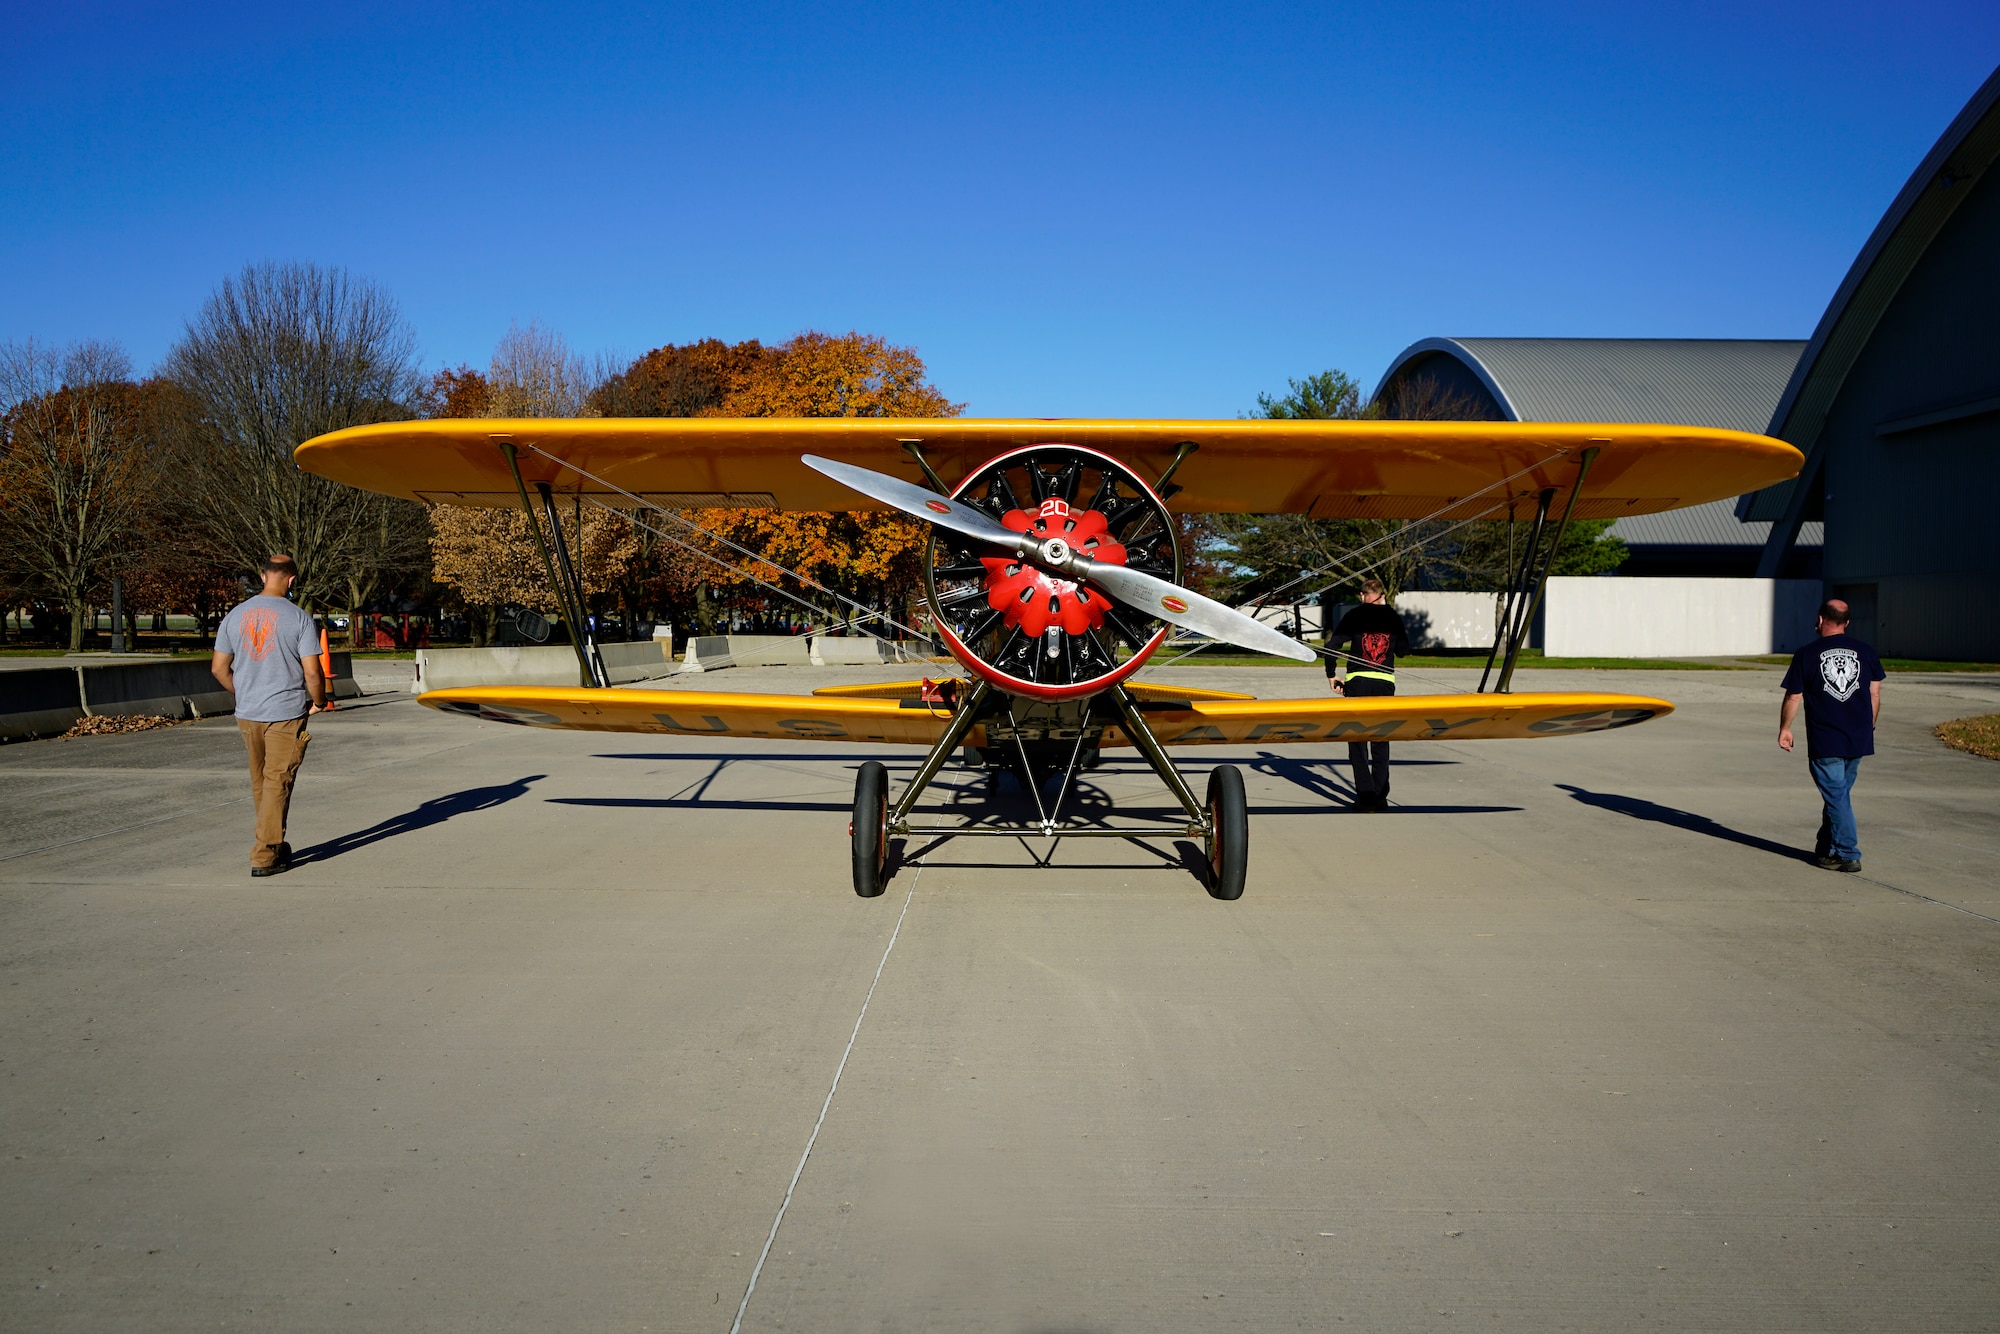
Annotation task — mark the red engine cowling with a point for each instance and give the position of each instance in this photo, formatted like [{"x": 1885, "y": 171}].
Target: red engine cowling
[{"x": 1030, "y": 632}]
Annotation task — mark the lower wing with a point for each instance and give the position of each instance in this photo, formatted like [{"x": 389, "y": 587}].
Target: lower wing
[{"x": 1177, "y": 722}]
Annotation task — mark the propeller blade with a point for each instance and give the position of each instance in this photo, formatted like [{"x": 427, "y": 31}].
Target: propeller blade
[
  {"x": 1142, "y": 592},
  {"x": 919, "y": 503},
  {"x": 1152, "y": 596}
]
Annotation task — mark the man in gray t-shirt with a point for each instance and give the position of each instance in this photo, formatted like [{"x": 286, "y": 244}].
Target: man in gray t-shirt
[{"x": 267, "y": 654}]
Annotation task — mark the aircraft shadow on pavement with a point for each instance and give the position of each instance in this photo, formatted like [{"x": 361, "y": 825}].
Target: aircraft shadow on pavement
[
  {"x": 433, "y": 812},
  {"x": 848, "y": 757},
  {"x": 1641, "y": 809},
  {"x": 980, "y": 799}
]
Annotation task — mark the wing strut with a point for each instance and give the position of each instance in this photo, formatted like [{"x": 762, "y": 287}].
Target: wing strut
[
  {"x": 565, "y": 585},
  {"x": 1532, "y": 585},
  {"x": 1149, "y": 746}
]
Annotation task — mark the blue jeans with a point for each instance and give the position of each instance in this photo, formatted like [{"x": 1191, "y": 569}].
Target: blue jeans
[{"x": 1835, "y": 780}]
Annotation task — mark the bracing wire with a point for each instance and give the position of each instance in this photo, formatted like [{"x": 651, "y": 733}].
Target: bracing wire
[
  {"x": 869, "y": 613},
  {"x": 1263, "y": 598},
  {"x": 1352, "y": 573},
  {"x": 1349, "y": 572},
  {"x": 857, "y": 622}
]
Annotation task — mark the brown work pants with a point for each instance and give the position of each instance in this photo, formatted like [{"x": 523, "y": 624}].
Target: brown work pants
[{"x": 276, "y": 750}]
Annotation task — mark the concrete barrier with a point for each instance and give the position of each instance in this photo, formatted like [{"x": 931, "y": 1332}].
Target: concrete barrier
[
  {"x": 708, "y": 653},
  {"x": 545, "y": 665},
  {"x": 1610, "y": 617},
  {"x": 343, "y": 683},
  {"x": 39, "y": 701},
  {"x": 862, "y": 651},
  {"x": 175, "y": 688},
  {"x": 48, "y": 701}
]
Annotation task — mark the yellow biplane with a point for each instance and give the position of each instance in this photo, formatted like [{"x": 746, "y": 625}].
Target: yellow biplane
[{"x": 1054, "y": 572}]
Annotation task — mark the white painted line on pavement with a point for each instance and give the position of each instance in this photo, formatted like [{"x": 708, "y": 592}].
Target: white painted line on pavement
[{"x": 736, "y": 1326}]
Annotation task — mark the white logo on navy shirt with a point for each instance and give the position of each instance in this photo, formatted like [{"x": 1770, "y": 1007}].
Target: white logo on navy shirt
[{"x": 1840, "y": 672}]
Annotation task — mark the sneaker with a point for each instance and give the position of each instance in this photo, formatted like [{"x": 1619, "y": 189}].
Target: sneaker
[
  {"x": 1828, "y": 862},
  {"x": 1852, "y": 867}
]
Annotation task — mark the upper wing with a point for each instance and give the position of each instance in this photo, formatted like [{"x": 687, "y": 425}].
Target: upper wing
[
  {"x": 1330, "y": 469},
  {"x": 1176, "y": 721}
]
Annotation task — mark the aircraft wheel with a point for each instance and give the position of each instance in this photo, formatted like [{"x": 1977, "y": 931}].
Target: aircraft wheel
[
  {"x": 870, "y": 830},
  {"x": 1229, "y": 841}
]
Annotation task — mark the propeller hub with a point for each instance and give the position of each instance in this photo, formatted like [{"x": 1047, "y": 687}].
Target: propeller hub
[{"x": 1054, "y": 552}]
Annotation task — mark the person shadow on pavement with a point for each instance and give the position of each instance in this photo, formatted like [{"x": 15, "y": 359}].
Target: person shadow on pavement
[
  {"x": 1640, "y": 809},
  {"x": 433, "y": 812}
]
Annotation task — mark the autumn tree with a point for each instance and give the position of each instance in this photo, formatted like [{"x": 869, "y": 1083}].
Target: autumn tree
[
  {"x": 854, "y": 375},
  {"x": 277, "y": 355},
  {"x": 535, "y": 373},
  {"x": 488, "y": 556},
  {"x": 463, "y": 392},
  {"x": 73, "y": 469},
  {"x": 695, "y": 380},
  {"x": 870, "y": 556}
]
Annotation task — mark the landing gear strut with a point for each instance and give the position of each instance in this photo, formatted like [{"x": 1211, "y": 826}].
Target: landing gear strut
[{"x": 1222, "y": 823}]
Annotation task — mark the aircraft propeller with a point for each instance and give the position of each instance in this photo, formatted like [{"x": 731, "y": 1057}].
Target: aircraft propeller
[{"x": 1135, "y": 588}]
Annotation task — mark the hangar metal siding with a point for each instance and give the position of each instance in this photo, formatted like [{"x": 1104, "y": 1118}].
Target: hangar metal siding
[
  {"x": 1727, "y": 382},
  {"x": 1731, "y": 383}
]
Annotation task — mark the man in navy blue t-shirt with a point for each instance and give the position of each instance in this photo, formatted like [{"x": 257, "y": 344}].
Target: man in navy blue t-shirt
[{"x": 1839, "y": 679}]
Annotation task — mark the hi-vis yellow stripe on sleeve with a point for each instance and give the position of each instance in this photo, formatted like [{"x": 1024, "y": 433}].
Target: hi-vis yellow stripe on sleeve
[{"x": 1196, "y": 722}]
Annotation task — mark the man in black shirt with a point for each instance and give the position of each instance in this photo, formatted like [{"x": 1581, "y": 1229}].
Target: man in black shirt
[
  {"x": 1374, "y": 635},
  {"x": 1839, "y": 680}
]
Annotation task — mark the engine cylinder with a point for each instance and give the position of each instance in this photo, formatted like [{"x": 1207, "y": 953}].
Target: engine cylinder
[{"x": 1027, "y": 629}]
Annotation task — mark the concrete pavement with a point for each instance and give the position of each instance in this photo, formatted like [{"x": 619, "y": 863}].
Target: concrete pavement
[{"x": 537, "y": 1034}]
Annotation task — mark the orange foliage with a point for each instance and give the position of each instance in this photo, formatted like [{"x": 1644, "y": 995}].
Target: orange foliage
[
  {"x": 460, "y": 393},
  {"x": 817, "y": 375},
  {"x": 866, "y": 555},
  {"x": 696, "y": 380},
  {"x": 490, "y": 558},
  {"x": 855, "y": 375}
]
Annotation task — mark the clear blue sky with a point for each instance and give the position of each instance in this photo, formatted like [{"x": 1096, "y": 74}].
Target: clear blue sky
[{"x": 1149, "y": 210}]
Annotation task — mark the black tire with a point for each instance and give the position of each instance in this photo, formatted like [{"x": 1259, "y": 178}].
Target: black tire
[
  {"x": 1229, "y": 844},
  {"x": 870, "y": 830}
]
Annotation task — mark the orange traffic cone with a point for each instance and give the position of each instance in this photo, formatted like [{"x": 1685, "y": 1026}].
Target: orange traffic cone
[{"x": 326, "y": 668}]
